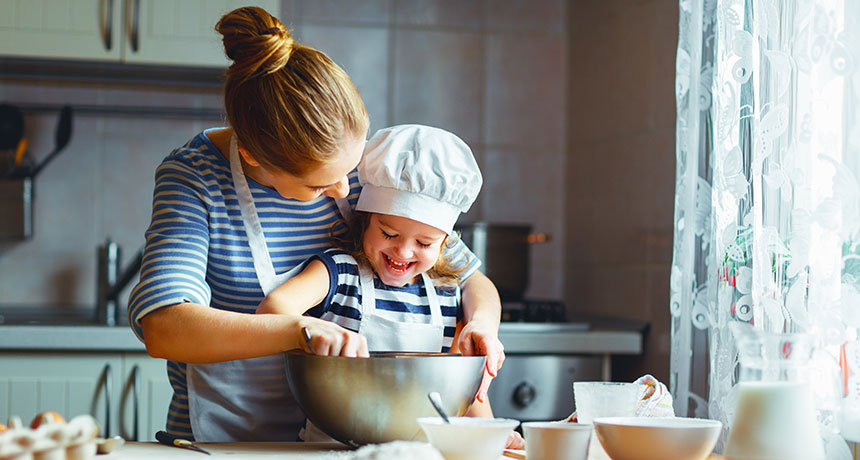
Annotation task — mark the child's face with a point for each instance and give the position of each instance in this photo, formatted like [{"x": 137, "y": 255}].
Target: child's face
[{"x": 400, "y": 249}]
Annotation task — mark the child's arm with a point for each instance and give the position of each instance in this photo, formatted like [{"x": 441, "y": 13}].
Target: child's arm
[
  {"x": 298, "y": 295},
  {"x": 483, "y": 409}
]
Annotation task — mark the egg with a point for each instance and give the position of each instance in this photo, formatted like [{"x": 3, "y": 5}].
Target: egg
[{"x": 47, "y": 417}]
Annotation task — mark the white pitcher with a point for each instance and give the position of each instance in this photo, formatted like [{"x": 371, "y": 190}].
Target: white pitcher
[{"x": 775, "y": 417}]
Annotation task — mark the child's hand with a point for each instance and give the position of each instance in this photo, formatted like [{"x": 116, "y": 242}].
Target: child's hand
[
  {"x": 329, "y": 339},
  {"x": 475, "y": 340},
  {"x": 515, "y": 441}
]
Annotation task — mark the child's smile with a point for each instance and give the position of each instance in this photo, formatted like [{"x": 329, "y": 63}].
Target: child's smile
[{"x": 400, "y": 249}]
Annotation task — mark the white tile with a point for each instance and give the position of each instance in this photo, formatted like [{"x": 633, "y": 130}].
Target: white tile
[
  {"x": 526, "y": 91},
  {"x": 363, "y": 54},
  {"x": 54, "y": 93},
  {"x": 527, "y": 187},
  {"x": 543, "y": 16},
  {"x": 345, "y": 11},
  {"x": 437, "y": 80},
  {"x": 52, "y": 266},
  {"x": 466, "y": 14},
  {"x": 127, "y": 175}
]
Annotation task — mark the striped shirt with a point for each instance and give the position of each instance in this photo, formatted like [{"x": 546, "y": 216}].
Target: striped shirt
[
  {"x": 197, "y": 250},
  {"x": 405, "y": 304}
]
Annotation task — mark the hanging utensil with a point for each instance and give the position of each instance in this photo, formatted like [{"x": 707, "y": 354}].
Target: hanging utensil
[
  {"x": 11, "y": 137},
  {"x": 61, "y": 138}
]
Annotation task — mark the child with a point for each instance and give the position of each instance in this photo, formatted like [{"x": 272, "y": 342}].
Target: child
[{"x": 390, "y": 281}]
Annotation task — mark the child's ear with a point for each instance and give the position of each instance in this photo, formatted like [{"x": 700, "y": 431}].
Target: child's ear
[{"x": 247, "y": 157}]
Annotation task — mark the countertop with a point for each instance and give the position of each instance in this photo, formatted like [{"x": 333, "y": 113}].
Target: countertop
[
  {"x": 246, "y": 450},
  {"x": 518, "y": 338}
]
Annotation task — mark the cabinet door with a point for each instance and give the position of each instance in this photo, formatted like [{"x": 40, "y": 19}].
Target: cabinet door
[
  {"x": 69, "y": 383},
  {"x": 179, "y": 32},
  {"x": 145, "y": 397},
  {"x": 65, "y": 29}
]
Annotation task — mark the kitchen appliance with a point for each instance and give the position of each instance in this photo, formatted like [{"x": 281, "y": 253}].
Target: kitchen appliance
[
  {"x": 538, "y": 387},
  {"x": 545, "y": 354},
  {"x": 377, "y": 399},
  {"x": 504, "y": 250}
]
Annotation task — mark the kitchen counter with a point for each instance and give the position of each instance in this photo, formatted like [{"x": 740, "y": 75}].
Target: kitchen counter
[
  {"x": 245, "y": 450},
  {"x": 563, "y": 338}
]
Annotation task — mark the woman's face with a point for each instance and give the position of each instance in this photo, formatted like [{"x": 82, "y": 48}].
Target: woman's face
[
  {"x": 400, "y": 249},
  {"x": 329, "y": 179}
]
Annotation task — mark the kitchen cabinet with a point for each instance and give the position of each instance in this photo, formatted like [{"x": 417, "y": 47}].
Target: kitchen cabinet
[
  {"x": 159, "y": 32},
  {"x": 127, "y": 392}
]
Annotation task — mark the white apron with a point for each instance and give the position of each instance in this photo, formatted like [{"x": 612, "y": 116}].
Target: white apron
[
  {"x": 384, "y": 334},
  {"x": 247, "y": 399}
]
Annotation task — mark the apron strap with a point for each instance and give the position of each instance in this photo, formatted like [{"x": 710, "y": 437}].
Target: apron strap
[
  {"x": 432, "y": 299},
  {"x": 263, "y": 265},
  {"x": 253, "y": 228},
  {"x": 368, "y": 292},
  {"x": 368, "y": 295}
]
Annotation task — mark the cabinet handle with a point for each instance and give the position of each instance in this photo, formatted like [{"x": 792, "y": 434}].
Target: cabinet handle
[
  {"x": 135, "y": 385},
  {"x": 107, "y": 23},
  {"x": 108, "y": 391},
  {"x": 132, "y": 21}
]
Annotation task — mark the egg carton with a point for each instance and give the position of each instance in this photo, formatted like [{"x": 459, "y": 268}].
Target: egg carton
[{"x": 52, "y": 439}]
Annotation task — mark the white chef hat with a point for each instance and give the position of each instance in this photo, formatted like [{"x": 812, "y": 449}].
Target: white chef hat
[{"x": 418, "y": 172}]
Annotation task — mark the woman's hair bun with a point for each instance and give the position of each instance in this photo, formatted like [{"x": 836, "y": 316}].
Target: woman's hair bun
[{"x": 256, "y": 42}]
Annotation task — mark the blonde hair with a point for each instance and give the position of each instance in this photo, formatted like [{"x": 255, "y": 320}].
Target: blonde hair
[
  {"x": 290, "y": 105},
  {"x": 352, "y": 241}
]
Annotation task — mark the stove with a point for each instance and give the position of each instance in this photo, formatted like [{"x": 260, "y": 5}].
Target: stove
[{"x": 546, "y": 353}]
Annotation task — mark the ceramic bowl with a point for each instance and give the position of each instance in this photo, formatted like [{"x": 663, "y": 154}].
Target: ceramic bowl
[
  {"x": 557, "y": 440},
  {"x": 657, "y": 438},
  {"x": 468, "y": 438}
]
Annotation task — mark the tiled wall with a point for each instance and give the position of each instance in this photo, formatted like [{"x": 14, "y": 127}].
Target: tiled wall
[
  {"x": 620, "y": 169},
  {"x": 492, "y": 71}
]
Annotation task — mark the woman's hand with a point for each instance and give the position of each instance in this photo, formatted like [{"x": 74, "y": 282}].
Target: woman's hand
[
  {"x": 330, "y": 339},
  {"x": 515, "y": 441},
  {"x": 477, "y": 339}
]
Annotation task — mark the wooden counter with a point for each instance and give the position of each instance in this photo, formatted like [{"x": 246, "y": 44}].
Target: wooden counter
[{"x": 244, "y": 450}]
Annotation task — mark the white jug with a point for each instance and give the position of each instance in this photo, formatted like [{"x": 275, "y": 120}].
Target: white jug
[{"x": 775, "y": 417}]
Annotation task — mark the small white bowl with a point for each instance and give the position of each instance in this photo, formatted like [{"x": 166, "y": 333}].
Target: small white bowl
[
  {"x": 557, "y": 440},
  {"x": 468, "y": 438},
  {"x": 657, "y": 438}
]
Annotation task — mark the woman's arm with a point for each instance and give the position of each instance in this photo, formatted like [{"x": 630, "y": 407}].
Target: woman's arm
[
  {"x": 482, "y": 312},
  {"x": 194, "y": 333}
]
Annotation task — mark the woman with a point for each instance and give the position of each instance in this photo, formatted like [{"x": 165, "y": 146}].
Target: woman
[{"x": 235, "y": 210}]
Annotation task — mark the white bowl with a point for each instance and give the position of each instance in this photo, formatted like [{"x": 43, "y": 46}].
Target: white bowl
[
  {"x": 468, "y": 438},
  {"x": 657, "y": 438},
  {"x": 557, "y": 440}
]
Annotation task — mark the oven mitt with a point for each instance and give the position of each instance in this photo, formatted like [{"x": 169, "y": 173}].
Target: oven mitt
[{"x": 656, "y": 401}]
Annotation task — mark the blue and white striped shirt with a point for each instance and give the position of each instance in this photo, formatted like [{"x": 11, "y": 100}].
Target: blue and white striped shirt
[
  {"x": 197, "y": 250},
  {"x": 406, "y": 304}
]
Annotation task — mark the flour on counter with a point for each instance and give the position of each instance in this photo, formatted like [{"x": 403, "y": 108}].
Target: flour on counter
[{"x": 397, "y": 450}]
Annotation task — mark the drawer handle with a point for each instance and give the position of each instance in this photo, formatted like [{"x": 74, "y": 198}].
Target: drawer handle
[
  {"x": 133, "y": 9},
  {"x": 107, "y": 23},
  {"x": 135, "y": 385},
  {"x": 108, "y": 390}
]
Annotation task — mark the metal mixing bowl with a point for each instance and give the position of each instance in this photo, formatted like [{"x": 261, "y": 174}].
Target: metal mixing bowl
[{"x": 373, "y": 400}]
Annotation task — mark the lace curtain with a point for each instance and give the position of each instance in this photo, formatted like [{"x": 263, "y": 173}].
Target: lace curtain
[{"x": 767, "y": 203}]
